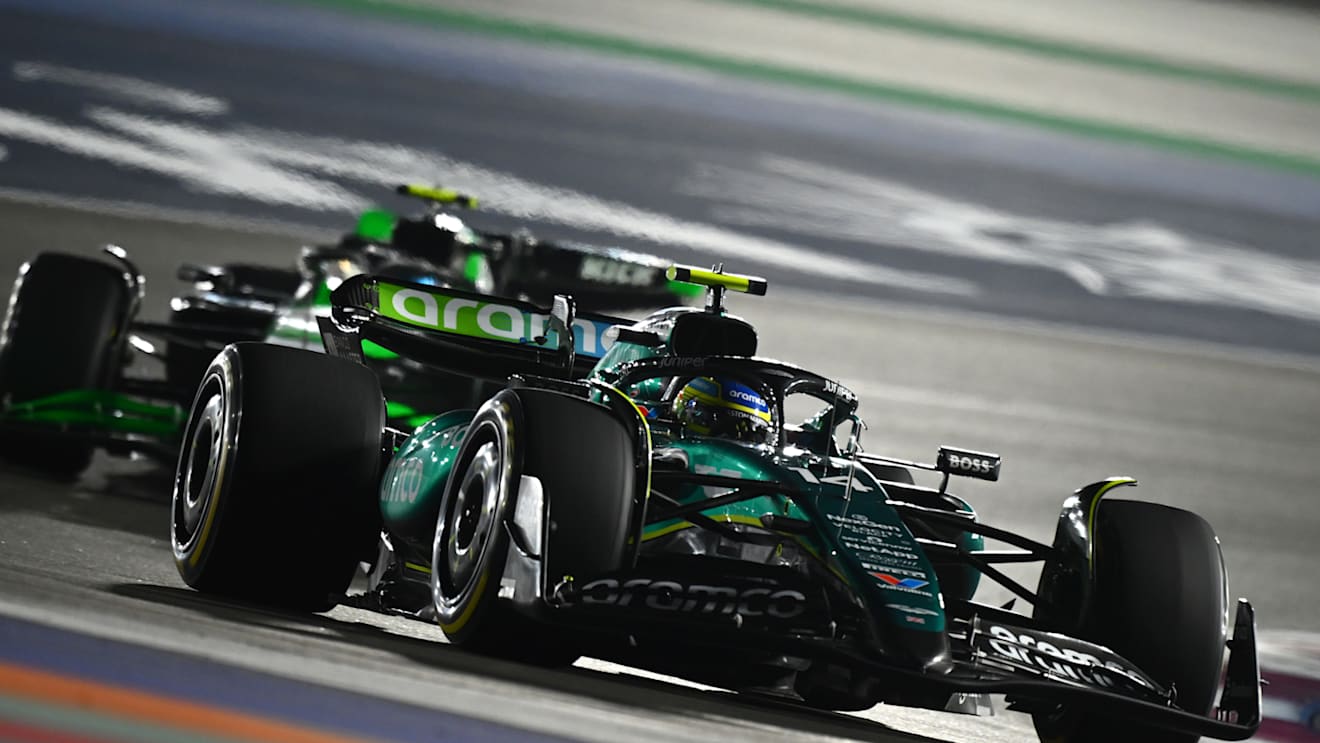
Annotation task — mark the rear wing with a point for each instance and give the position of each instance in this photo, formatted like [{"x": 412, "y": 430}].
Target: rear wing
[{"x": 465, "y": 332}]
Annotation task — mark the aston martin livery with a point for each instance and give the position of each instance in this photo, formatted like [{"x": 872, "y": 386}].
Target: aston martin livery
[{"x": 679, "y": 503}]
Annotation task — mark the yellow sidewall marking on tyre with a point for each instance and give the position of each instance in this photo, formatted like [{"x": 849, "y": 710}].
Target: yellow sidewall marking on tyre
[
  {"x": 1095, "y": 508},
  {"x": 207, "y": 522},
  {"x": 466, "y": 614}
]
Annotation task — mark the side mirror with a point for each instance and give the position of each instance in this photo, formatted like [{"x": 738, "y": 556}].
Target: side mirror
[
  {"x": 560, "y": 322},
  {"x": 967, "y": 463},
  {"x": 854, "y": 446}
]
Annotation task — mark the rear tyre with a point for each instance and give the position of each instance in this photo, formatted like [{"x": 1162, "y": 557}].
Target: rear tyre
[
  {"x": 275, "y": 490},
  {"x": 1161, "y": 601},
  {"x": 60, "y": 335}
]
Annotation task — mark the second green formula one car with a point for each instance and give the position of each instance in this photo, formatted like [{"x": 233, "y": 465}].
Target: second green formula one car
[{"x": 73, "y": 329}]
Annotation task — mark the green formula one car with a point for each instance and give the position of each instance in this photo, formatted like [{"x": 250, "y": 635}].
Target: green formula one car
[
  {"x": 68, "y": 382},
  {"x": 657, "y": 506}
]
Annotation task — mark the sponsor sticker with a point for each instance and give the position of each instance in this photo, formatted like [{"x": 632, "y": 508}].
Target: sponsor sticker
[
  {"x": 489, "y": 320},
  {"x": 969, "y": 463},
  {"x": 406, "y": 483},
  {"x": 884, "y": 551},
  {"x": 693, "y": 598},
  {"x": 897, "y": 582},
  {"x": 914, "y": 610},
  {"x": 1051, "y": 654},
  {"x": 915, "y": 615},
  {"x": 609, "y": 271}
]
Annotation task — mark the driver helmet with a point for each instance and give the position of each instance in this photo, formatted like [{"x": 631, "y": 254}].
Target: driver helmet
[{"x": 723, "y": 408}]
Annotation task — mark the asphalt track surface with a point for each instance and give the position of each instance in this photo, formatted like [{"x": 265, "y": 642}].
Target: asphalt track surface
[
  {"x": 313, "y": 116},
  {"x": 1228, "y": 430}
]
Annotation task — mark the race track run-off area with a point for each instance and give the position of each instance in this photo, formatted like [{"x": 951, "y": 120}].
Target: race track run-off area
[{"x": 1083, "y": 305}]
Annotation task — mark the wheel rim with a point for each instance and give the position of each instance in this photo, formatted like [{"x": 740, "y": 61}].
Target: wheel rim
[
  {"x": 196, "y": 480},
  {"x": 472, "y": 517}
]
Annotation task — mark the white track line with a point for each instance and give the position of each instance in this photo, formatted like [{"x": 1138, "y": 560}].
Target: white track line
[
  {"x": 151, "y": 212},
  {"x": 806, "y": 301},
  {"x": 124, "y": 87},
  {"x": 1132, "y": 258},
  {"x": 1119, "y": 339}
]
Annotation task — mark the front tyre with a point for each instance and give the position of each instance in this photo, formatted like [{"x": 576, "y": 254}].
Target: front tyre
[
  {"x": 472, "y": 542},
  {"x": 471, "y": 545},
  {"x": 275, "y": 490},
  {"x": 1161, "y": 601}
]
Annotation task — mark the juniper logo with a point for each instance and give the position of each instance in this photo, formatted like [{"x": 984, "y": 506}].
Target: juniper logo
[{"x": 482, "y": 319}]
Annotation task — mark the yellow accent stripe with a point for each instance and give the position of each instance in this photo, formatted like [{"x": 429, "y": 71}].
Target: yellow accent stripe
[
  {"x": 731, "y": 518},
  {"x": 478, "y": 594},
  {"x": 209, "y": 519},
  {"x": 678, "y": 526},
  {"x": 739, "y": 519},
  {"x": 418, "y": 567},
  {"x": 210, "y": 512},
  {"x": 1095, "y": 507},
  {"x": 646, "y": 427}
]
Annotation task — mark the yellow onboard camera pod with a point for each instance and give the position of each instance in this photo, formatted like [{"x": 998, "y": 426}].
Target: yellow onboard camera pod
[
  {"x": 438, "y": 195},
  {"x": 716, "y": 282},
  {"x": 718, "y": 279}
]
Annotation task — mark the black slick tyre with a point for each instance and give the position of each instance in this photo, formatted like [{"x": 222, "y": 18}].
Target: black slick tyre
[
  {"x": 585, "y": 477},
  {"x": 471, "y": 544},
  {"x": 275, "y": 492},
  {"x": 60, "y": 334},
  {"x": 1161, "y": 601}
]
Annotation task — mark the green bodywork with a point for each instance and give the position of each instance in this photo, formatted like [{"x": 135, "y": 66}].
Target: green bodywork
[
  {"x": 415, "y": 479},
  {"x": 855, "y": 534},
  {"x": 861, "y": 536},
  {"x": 297, "y": 325},
  {"x": 376, "y": 225},
  {"x": 118, "y": 413},
  {"x": 100, "y": 409},
  {"x": 684, "y": 289}
]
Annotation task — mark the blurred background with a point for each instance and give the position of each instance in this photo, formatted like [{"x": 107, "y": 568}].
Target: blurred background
[{"x": 1081, "y": 234}]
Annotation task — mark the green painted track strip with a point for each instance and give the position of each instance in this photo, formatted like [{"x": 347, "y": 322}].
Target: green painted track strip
[
  {"x": 573, "y": 38},
  {"x": 1145, "y": 64}
]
